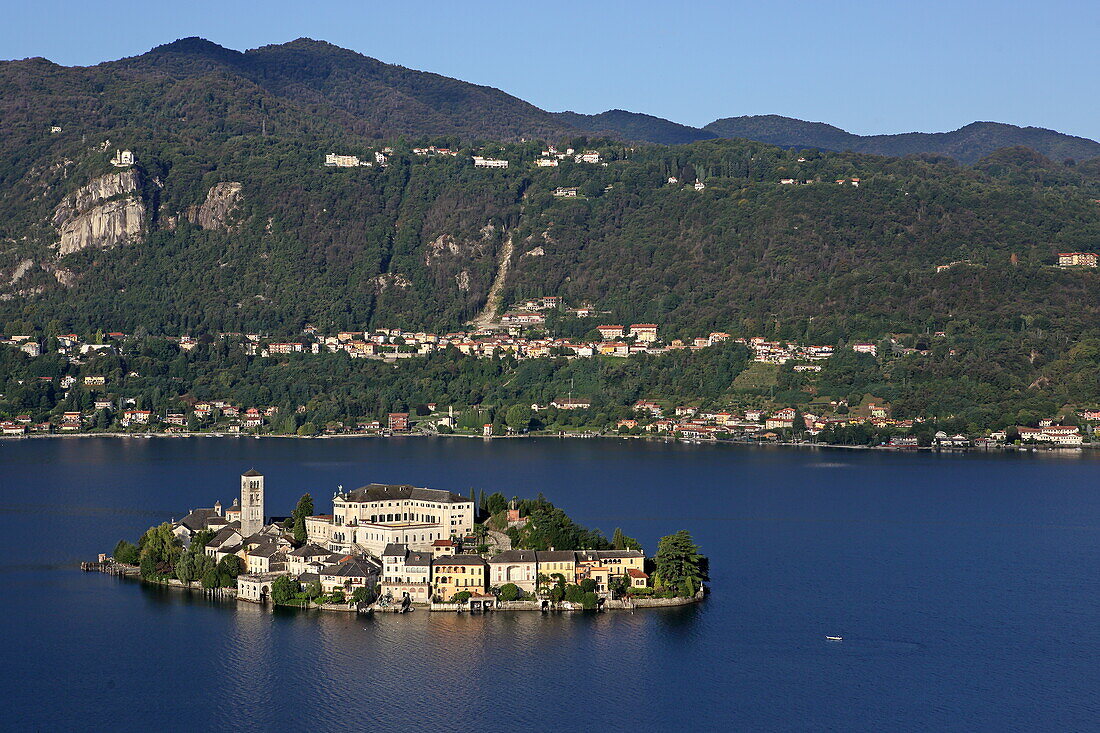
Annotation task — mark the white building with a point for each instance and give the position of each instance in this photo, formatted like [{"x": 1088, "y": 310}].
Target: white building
[
  {"x": 407, "y": 572},
  {"x": 588, "y": 156},
  {"x": 369, "y": 518},
  {"x": 480, "y": 162},
  {"x": 342, "y": 161},
  {"x": 122, "y": 159}
]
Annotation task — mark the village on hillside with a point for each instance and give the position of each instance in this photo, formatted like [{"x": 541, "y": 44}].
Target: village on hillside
[{"x": 519, "y": 333}]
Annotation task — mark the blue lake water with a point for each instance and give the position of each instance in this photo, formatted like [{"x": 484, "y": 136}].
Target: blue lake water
[{"x": 966, "y": 588}]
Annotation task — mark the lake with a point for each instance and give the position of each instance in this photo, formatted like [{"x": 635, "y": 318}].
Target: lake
[{"x": 965, "y": 586}]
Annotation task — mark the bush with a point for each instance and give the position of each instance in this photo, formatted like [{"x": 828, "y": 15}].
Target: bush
[
  {"x": 588, "y": 585},
  {"x": 510, "y": 592},
  {"x": 590, "y": 600},
  {"x": 363, "y": 595},
  {"x": 461, "y": 597},
  {"x": 284, "y": 589},
  {"x": 574, "y": 593},
  {"x": 148, "y": 566},
  {"x": 337, "y": 597}
]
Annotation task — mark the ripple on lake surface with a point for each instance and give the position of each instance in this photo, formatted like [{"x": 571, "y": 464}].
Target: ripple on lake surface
[{"x": 963, "y": 586}]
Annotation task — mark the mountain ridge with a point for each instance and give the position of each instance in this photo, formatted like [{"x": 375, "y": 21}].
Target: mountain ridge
[
  {"x": 376, "y": 99},
  {"x": 967, "y": 144}
]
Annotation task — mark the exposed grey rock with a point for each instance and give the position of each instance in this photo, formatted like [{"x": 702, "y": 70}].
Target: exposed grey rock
[
  {"x": 105, "y": 213},
  {"x": 222, "y": 201}
]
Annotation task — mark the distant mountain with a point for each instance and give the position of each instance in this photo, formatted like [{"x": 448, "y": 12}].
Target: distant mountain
[
  {"x": 967, "y": 144},
  {"x": 310, "y": 86},
  {"x": 636, "y": 126}
]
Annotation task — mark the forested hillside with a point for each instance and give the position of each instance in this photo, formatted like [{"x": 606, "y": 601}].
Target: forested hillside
[{"x": 230, "y": 221}]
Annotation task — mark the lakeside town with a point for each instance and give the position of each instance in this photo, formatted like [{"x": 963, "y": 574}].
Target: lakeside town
[
  {"x": 397, "y": 547},
  {"x": 113, "y": 404}
]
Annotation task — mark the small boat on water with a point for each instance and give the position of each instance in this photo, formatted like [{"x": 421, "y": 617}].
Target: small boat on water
[{"x": 834, "y": 638}]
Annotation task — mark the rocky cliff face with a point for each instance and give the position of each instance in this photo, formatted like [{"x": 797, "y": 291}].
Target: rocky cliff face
[
  {"x": 221, "y": 203},
  {"x": 105, "y": 213}
]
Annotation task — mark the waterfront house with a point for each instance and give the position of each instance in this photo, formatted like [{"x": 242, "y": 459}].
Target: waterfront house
[
  {"x": 457, "y": 573},
  {"x": 406, "y": 573},
  {"x": 514, "y": 566},
  {"x": 554, "y": 563},
  {"x": 602, "y": 565},
  {"x": 350, "y": 573}
]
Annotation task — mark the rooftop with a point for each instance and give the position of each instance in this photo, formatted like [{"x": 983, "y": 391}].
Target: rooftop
[{"x": 385, "y": 492}]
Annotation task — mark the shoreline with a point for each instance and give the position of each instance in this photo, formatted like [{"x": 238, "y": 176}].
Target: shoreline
[
  {"x": 1037, "y": 448},
  {"x": 130, "y": 573}
]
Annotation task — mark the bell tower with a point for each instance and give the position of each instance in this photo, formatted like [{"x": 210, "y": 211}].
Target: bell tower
[{"x": 252, "y": 502}]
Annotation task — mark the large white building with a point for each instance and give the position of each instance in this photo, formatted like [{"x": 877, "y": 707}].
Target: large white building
[
  {"x": 480, "y": 162},
  {"x": 370, "y": 518}
]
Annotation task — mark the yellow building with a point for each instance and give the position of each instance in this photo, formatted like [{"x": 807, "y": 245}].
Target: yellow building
[
  {"x": 603, "y": 565},
  {"x": 457, "y": 573},
  {"x": 557, "y": 562}
]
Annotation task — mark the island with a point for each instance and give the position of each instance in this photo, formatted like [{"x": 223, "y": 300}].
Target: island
[{"x": 395, "y": 548}]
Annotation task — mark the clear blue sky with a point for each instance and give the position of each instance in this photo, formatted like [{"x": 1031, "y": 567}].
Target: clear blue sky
[{"x": 869, "y": 67}]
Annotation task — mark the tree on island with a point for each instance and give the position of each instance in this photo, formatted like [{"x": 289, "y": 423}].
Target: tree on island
[
  {"x": 126, "y": 553},
  {"x": 210, "y": 579},
  {"x": 297, "y": 521},
  {"x": 185, "y": 567},
  {"x": 680, "y": 567},
  {"x": 284, "y": 589},
  {"x": 363, "y": 595},
  {"x": 229, "y": 567},
  {"x": 159, "y": 550},
  {"x": 620, "y": 541}
]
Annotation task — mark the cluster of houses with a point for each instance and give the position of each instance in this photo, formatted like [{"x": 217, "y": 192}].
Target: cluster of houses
[
  {"x": 384, "y": 343},
  {"x": 508, "y": 339},
  {"x": 405, "y": 541},
  {"x": 689, "y": 423},
  {"x": 548, "y": 158},
  {"x": 1077, "y": 259},
  {"x": 840, "y": 181}
]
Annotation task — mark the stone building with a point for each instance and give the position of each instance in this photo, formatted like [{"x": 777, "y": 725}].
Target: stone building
[
  {"x": 514, "y": 566},
  {"x": 252, "y": 502},
  {"x": 369, "y": 518}
]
